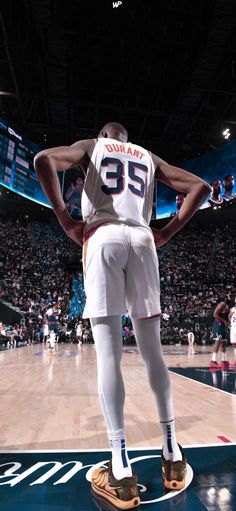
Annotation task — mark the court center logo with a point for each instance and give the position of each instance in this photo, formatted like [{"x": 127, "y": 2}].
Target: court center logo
[{"x": 12, "y": 474}]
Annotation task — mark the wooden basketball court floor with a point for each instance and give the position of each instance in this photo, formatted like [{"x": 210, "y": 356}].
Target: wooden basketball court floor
[{"x": 50, "y": 418}]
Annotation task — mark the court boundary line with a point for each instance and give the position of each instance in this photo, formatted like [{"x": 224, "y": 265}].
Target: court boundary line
[
  {"x": 188, "y": 446},
  {"x": 202, "y": 383}
]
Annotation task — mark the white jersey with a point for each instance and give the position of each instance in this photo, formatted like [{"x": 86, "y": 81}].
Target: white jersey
[
  {"x": 119, "y": 184},
  {"x": 79, "y": 330},
  {"x": 45, "y": 329},
  {"x": 233, "y": 326},
  {"x": 233, "y": 318},
  {"x": 190, "y": 336}
]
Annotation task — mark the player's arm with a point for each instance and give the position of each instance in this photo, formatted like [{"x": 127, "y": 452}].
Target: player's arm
[
  {"x": 50, "y": 161},
  {"x": 217, "y": 311},
  {"x": 231, "y": 312},
  {"x": 46, "y": 164},
  {"x": 195, "y": 188}
]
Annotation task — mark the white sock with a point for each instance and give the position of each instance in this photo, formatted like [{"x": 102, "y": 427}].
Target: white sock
[
  {"x": 171, "y": 450},
  {"x": 213, "y": 358},
  {"x": 224, "y": 356},
  {"x": 120, "y": 462},
  {"x": 235, "y": 353}
]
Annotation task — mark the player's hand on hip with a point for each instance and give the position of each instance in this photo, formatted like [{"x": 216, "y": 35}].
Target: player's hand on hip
[
  {"x": 75, "y": 231},
  {"x": 73, "y": 228},
  {"x": 160, "y": 238}
]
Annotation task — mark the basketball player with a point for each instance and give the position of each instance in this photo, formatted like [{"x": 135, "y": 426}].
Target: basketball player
[
  {"x": 215, "y": 198},
  {"x": 45, "y": 331},
  {"x": 232, "y": 319},
  {"x": 79, "y": 332},
  {"x": 220, "y": 323},
  {"x": 73, "y": 198},
  {"x": 52, "y": 318},
  {"x": 121, "y": 265},
  {"x": 179, "y": 199},
  {"x": 228, "y": 188},
  {"x": 190, "y": 337}
]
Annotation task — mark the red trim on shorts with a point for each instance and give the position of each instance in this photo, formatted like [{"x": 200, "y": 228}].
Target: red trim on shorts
[{"x": 93, "y": 229}]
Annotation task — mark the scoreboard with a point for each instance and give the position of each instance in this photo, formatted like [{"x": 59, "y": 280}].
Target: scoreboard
[{"x": 16, "y": 165}]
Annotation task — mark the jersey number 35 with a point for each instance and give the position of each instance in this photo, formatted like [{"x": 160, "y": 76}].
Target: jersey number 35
[{"x": 135, "y": 183}]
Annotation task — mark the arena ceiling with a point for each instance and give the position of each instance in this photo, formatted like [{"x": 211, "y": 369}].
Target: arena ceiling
[{"x": 165, "y": 69}]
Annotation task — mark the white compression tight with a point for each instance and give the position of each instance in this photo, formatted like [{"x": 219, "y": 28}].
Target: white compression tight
[
  {"x": 108, "y": 343},
  {"x": 147, "y": 334}
]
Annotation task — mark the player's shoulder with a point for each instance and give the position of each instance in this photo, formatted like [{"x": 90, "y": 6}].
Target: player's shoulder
[
  {"x": 90, "y": 144},
  {"x": 157, "y": 161},
  {"x": 219, "y": 306},
  {"x": 87, "y": 145}
]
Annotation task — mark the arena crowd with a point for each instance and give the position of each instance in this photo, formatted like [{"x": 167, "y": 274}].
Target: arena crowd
[{"x": 196, "y": 268}]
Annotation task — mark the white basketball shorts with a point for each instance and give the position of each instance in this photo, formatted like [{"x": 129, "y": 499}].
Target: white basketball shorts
[
  {"x": 51, "y": 339},
  {"x": 45, "y": 330},
  {"x": 121, "y": 268}
]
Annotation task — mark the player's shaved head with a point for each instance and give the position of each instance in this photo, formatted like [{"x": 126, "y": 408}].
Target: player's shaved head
[{"x": 114, "y": 130}]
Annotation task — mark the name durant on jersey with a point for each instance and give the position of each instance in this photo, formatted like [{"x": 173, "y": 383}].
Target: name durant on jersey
[{"x": 120, "y": 148}]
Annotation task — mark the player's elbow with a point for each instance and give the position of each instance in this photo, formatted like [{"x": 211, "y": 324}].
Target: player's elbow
[
  {"x": 204, "y": 188},
  {"x": 207, "y": 188},
  {"x": 41, "y": 161}
]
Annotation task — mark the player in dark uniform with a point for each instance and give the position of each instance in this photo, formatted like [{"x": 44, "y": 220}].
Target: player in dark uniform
[
  {"x": 73, "y": 198},
  {"x": 215, "y": 198},
  {"x": 220, "y": 323},
  {"x": 179, "y": 199},
  {"x": 53, "y": 316},
  {"x": 228, "y": 194}
]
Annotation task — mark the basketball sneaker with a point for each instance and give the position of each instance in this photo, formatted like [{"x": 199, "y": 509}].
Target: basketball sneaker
[
  {"x": 122, "y": 493},
  {"x": 214, "y": 364},
  {"x": 174, "y": 472},
  {"x": 102, "y": 504},
  {"x": 224, "y": 364}
]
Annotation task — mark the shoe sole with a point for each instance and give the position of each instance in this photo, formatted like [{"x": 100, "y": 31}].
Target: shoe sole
[
  {"x": 103, "y": 504},
  {"x": 174, "y": 485},
  {"x": 107, "y": 492}
]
